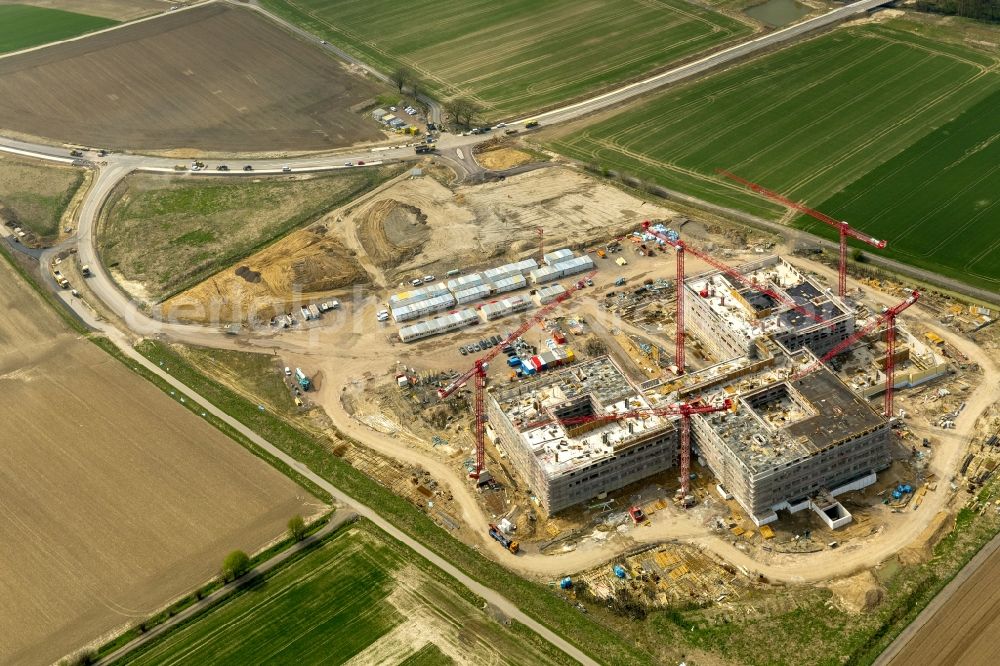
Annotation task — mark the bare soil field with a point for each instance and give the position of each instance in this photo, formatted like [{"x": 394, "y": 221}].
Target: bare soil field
[
  {"x": 119, "y": 10},
  {"x": 504, "y": 158},
  {"x": 115, "y": 499},
  {"x": 475, "y": 223},
  {"x": 214, "y": 78},
  {"x": 34, "y": 195}
]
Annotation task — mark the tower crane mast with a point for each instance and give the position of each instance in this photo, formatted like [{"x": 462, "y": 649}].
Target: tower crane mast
[
  {"x": 888, "y": 317},
  {"x": 842, "y": 227},
  {"x": 478, "y": 371}
]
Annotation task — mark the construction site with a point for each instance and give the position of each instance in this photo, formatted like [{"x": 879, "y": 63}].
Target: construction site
[{"x": 757, "y": 403}]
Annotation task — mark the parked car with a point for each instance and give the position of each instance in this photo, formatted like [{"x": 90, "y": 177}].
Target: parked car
[
  {"x": 429, "y": 278},
  {"x": 463, "y": 351},
  {"x": 416, "y": 282}
]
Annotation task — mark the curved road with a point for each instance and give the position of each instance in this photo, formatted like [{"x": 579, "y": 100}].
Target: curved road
[{"x": 112, "y": 168}]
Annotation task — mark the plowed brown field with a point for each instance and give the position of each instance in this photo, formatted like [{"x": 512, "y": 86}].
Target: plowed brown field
[
  {"x": 964, "y": 629},
  {"x": 216, "y": 78},
  {"x": 114, "y": 499}
]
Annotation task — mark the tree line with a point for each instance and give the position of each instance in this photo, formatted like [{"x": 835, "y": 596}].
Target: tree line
[{"x": 984, "y": 10}]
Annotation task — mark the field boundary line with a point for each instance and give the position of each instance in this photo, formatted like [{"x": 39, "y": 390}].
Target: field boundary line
[
  {"x": 119, "y": 26},
  {"x": 341, "y": 518}
]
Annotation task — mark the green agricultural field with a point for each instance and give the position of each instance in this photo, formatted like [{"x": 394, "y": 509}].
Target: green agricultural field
[
  {"x": 34, "y": 194},
  {"x": 518, "y": 56},
  {"x": 23, "y": 26},
  {"x": 358, "y": 595},
  {"x": 815, "y": 118},
  {"x": 169, "y": 233}
]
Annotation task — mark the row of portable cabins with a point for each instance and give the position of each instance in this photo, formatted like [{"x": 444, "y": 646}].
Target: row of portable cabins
[
  {"x": 562, "y": 268},
  {"x": 463, "y": 318},
  {"x": 415, "y": 303}
]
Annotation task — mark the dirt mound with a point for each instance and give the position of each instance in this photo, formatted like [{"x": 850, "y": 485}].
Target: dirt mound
[
  {"x": 922, "y": 547},
  {"x": 305, "y": 265},
  {"x": 504, "y": 158},
  {"x": 392, "y": 232},
  {"x": 858, "y": 594}
]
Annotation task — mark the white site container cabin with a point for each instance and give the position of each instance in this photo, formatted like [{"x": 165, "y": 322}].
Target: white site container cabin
[
  {"x": 557, "y": 256},
  {"x": 508, "y": 270},
  {"x": 512, "y": 283},
  {"x": 546, "y": 274},
  {"x": 329, "y": 305},
  {"x": 465, "y": 282},
  {"x": 471, "y": 294},
  {"x": 546, "y": 295},
  {"x": 305, "y": 313},
  {"x": 314, "y": 311},
  {"x": 418, "y": 294},
  {"x": 421, "y": 308},
  {"x": 438, "y": 325},
  {"x": 507, "y": 306},
  {"x": 576, "y": 265}
]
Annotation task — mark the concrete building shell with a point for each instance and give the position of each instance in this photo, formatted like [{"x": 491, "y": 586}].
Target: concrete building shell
[{"x": 565, "y": 465}]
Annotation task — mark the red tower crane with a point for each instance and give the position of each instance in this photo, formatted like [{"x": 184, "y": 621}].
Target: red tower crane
[
  {"x": 478, "y": 370},
  {"x": 681, "y": 247},
  {"x": 843, "y": 227},
  {"x": 887, "y": 317},
  {"x": 684, "y": 410}
]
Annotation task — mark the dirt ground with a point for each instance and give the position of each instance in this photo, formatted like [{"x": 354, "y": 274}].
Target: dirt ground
[
  {"x": 216, "y": 78},
  {"x": 305, "y": 266},
  {"x": 115, "y": 498},
  {"x": 504, "y": 158},
  {"x": 436, "y": 229},
  {"x": 119, "y": 10}
]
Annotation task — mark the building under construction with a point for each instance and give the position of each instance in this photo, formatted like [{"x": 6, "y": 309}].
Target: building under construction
[
  {"x": 728, "y": 316},
  {"x": 793, "y": 440},
  {"x": 567, "y": 464}
]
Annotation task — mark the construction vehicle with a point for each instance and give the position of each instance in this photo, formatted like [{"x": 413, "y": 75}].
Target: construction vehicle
[
  {"x": 424, "y": 148},
  {"x": 843, "y": 227},
  {"x": 301, "y": 378},
  {"x": 504, "y": 540},
  {"x": 478, "y": 371},
  {"x": 636, "y": 514},
  {"x": 602, "y": 254},
  {"x": 619, "y": 282}
]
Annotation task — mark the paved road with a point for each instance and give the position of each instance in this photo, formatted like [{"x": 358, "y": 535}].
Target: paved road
[
  {"x": 492, "y": 596},
  {"x": 339, "y": 518},
  {"x": 961, "y": 624},
  {"x": 433, "y": 107},
  {"x": 793, "y": 234},
  {"x": 711, "y": 61}
]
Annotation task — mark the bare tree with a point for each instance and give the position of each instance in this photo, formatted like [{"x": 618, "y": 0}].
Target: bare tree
[
  {"x": 462, "y": 110},
  {"x": 401, "y": 76}
]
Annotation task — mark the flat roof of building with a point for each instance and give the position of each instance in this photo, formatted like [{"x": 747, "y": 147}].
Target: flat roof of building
[
  {"x": 747, "y": 311},
  {"x": 778, "y": 421},
  {"x": 596, "y": 386}
]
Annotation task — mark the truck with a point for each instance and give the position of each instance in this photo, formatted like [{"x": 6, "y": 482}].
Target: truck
[
  {"x": 85, "y": 270},
  {"x": 504, "y": 540},
  {"x": 424, "y": 148},
  {"x": 301, "y": 378}
]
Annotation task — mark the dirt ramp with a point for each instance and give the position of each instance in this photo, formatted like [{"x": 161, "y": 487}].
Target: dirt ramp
[{"x": 305, "y": 265}]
